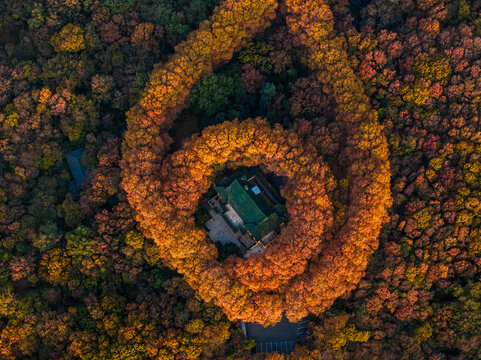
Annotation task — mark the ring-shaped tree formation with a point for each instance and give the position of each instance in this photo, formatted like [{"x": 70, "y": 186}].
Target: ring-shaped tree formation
[
  {"x": 187, "y": 175},
  {"x": 341, "y": 260}
]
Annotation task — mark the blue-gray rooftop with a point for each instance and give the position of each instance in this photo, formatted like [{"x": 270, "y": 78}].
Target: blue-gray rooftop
[{"x": 77, "y": 169}]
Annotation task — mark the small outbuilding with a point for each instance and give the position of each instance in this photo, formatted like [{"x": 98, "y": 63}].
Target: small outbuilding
[{"x": 77, "y": 169}]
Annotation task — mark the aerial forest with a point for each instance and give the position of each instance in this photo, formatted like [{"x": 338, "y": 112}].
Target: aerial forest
[{"x": 117, "y": 118}]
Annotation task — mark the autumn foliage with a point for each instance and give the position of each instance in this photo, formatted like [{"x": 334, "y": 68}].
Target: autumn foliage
[
  {"x": 70, "y": 39},
  {"x": 165, "y": 191},
  {"x": 81, "y": 279},
  {"x": 250, "y": 143}
]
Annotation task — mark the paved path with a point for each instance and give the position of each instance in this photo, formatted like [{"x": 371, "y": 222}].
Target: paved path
[
  {"x": 281, "y": 337},
  {"x": 284, "y": 347},
  {"x": 220, "y": 231}
]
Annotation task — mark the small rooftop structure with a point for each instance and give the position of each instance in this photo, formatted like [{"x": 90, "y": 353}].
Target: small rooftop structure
[{"x": 77, "y": 169}]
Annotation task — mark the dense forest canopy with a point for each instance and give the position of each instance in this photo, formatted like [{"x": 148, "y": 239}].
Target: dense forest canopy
[{"x": 373, "y": 106}]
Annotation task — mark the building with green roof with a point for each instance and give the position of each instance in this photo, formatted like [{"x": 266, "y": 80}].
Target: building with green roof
[{"x": 251, "y": 205}]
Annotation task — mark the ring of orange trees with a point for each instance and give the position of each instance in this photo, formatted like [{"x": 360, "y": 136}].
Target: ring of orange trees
[
  {"x": 342, "y": 260},
  {"x": 250, "y": 143}
]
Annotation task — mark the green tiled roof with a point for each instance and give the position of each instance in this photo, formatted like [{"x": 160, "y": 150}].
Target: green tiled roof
[
  {"x": 244, "y": 205},
  {"x": 252, "y": 228},
  {"x": 269, "y": 224},
  {"x": 258, "y": 216},
  {"x": 258, "y": 231}
]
